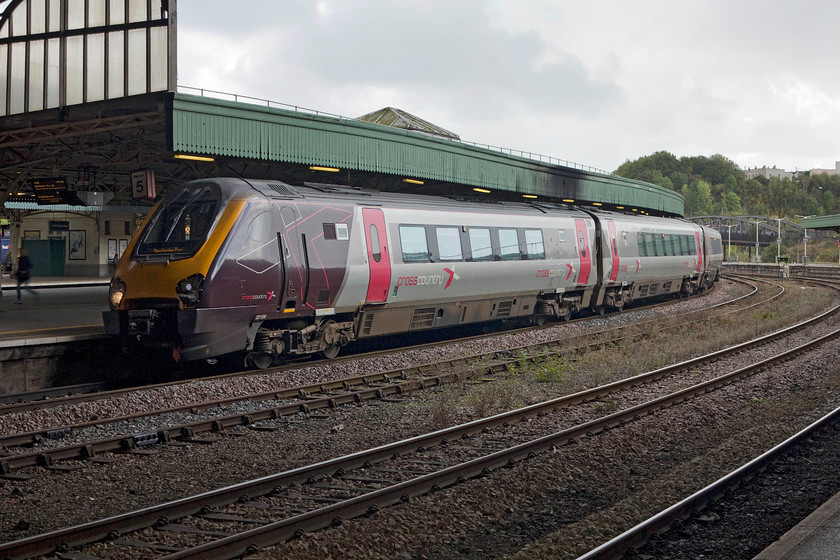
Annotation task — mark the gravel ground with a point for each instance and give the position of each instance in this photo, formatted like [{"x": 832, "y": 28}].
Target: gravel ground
[
  {"x": 751, "y": 516},
  {"x": 564, "y": 503},
  {"x": 559, "y": 494}
]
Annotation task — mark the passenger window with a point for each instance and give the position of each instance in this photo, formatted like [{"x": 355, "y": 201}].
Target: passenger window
[
  {"x": 534, "y": 246},
  {"x": 413, "y": 244},
  {"x": 375, "y": 249},
  {"x": 669, "y": 245},
  {"x": 660, "y": 244},
  {"x": 481, "y": 247},
  {"x": 649, "y": 250},
  {"x": 449, "y": 243},
  {"x": 509, "y": 244},
  {"x": 640, "y": 239}
]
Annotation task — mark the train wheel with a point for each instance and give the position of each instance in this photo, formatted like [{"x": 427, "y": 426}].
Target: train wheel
[
  {"x": 259, "y": 360},
  {"x": 330, "y": 352},
  {"x": 331, "y": 339}
]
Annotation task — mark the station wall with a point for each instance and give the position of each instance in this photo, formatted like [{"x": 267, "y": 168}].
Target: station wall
[{"x": 74, "y": 244}]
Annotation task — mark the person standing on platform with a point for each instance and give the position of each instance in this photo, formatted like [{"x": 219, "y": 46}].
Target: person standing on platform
[{"x": 24, "y": 270}]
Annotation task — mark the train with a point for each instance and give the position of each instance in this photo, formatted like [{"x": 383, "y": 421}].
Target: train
[{"x": 268, "y": 271}]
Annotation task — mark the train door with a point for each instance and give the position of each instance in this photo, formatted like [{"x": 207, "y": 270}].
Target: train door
[
  {"x": 699, "y": 251},
  {"x": 614, "y": 252},
  {"x": 292, "y": 260},
  {"x": 583, "y": 251},
  {"x": 379, "y": 260}
]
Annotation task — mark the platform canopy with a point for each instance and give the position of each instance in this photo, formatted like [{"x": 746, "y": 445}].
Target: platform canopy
[
  {"x": 88, "y": 96},
  {"x": 822, "y": 222}
]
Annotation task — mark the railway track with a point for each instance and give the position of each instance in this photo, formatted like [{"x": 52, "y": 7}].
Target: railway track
[
  {"x": 273, "y": 405},
  {"x": 693, "y": 506},
  {"x": 63, "y": 396},
  {"x": 75, "y": 393},
  {"x": 249, "y": 516},
  {"x": 66, "y": 396}
]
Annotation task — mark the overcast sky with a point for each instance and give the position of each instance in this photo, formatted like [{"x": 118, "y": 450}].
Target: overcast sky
[{"x": 596, "y": 82}]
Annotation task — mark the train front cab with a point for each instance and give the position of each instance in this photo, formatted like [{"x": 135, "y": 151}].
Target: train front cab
[{"x": 169, "y": 292}]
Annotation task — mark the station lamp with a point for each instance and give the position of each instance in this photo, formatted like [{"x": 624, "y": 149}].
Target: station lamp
[
  {"x": 321, "y": 168},
  {"x": 193, "y": 158}
]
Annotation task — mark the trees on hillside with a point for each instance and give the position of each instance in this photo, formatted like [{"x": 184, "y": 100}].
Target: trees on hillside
[{"x": 716, "y": 185}]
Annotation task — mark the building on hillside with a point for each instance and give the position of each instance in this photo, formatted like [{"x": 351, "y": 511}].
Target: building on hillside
[
  {"x": 768, "y": 172},
  {"x": 835, "y": 171}
]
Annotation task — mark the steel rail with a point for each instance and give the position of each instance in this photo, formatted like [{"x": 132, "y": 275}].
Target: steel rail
[
  {"x": 23, "y": 399},
  {"x": 280, "y": 531},
  {"x": 188, "y": 431},
  {"x": 638, "y": 535}
]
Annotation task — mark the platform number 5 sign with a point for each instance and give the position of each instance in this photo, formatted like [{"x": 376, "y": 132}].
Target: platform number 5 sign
[{"x": 143, "y": 183}]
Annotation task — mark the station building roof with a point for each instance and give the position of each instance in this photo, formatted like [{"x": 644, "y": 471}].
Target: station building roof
[{"x": 111, "y": 117}]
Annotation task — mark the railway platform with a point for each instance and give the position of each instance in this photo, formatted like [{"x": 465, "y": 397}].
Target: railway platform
[
  {"x": 62, "y": 305},
  {"x": 817, "y": 537},
  {"x": 54, "y": 337}
]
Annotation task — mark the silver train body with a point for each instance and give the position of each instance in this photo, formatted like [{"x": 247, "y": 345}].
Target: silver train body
[{"x": 274, "y": 270}]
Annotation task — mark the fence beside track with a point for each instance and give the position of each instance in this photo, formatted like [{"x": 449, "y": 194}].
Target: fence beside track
[{"x": 783, "y": 270}]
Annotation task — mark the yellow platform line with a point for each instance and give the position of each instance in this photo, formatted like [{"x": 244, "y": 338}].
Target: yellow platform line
[{"x": 50, "y": 329}]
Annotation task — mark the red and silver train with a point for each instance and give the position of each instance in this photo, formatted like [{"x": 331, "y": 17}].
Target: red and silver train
[{"x": 268, "y": 270}]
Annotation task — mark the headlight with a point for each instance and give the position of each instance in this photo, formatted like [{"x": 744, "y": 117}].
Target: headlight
[
  {"x": 189, "y": 289},
  {"x": 116, "y": 291}
]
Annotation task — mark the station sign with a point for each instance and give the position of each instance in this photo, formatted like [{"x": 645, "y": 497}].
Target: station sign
[
  {"x": 143, "y": 184},
  {"x": 53, "y": 190}
]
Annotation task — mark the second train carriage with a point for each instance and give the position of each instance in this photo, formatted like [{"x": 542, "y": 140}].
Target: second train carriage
[{"x": 227, "y": 265}]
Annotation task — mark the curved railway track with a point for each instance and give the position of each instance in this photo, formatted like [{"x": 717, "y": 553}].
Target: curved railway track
[
  {"x": 65, "y": 396},
  {"x": 477, "y": 449},
  {"x": 276, "y": 404}
]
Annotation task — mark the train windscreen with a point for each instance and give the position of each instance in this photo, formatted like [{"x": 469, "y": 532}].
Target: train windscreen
[{"x": 180, "y": 225}]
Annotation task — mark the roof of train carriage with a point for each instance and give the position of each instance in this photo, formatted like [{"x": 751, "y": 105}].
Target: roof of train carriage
[{"x": 95, "y": 134}]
